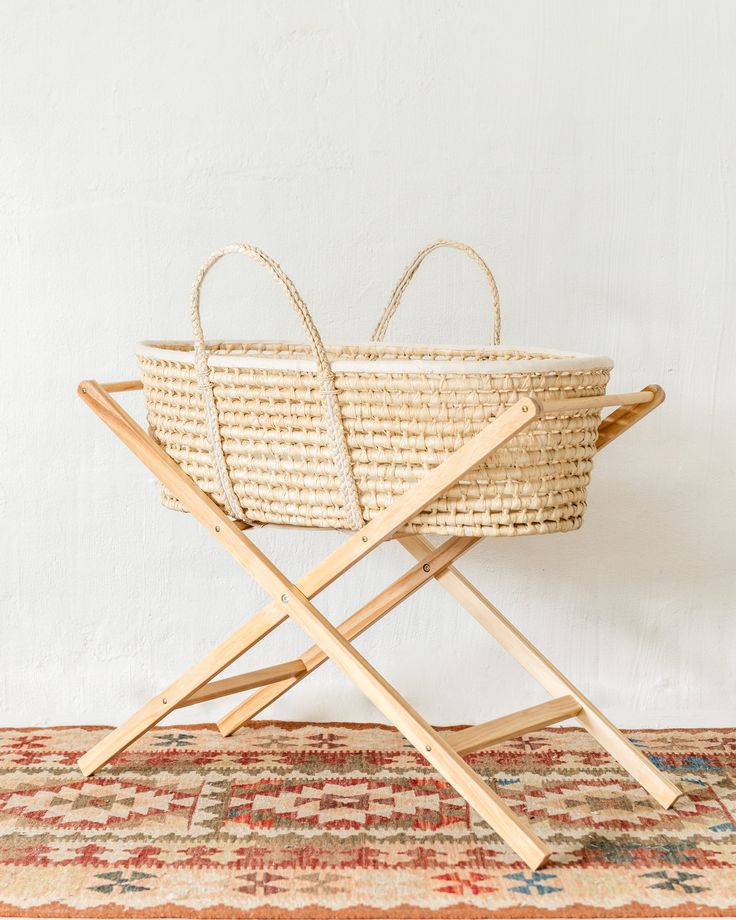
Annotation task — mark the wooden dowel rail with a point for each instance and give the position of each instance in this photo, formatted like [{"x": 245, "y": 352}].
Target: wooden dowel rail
[
  {"x": 581, "y": 403},
  {"x": 120, "y": 386},
  {"x": 624, "y": 417}
]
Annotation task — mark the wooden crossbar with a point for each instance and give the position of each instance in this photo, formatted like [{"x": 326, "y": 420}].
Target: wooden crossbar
[
  {"x": 260, "y": 678},
  {"x": 477, "y": 737}
]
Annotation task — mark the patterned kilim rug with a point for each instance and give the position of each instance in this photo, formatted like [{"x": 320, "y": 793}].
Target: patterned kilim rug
[{"x": 331, "y": 820}]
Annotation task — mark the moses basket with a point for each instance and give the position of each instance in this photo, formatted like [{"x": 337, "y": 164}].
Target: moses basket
[{"x": 327, "y": 436}]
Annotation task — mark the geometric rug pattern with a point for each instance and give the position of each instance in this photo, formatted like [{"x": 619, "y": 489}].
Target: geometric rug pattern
[{"x": 349, "y": 821}]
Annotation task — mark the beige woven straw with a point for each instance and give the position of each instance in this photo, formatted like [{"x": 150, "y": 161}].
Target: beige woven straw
[
  {"x": 379, "y": 333},
  {"x": 331, "y": 407},
  {"x": 329, "y": 435}
]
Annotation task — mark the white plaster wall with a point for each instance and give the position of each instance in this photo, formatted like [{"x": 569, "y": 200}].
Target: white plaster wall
[{"x": 585, "y": 148}]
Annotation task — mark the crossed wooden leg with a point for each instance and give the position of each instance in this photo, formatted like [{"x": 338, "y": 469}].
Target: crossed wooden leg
[
  {"x": 293, "y": 600},
  {"x": 431, "y": 563},
  {"x": 590, "y": 717}
]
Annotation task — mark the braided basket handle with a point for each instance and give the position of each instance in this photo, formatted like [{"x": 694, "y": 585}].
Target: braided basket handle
[
  {"x": 333, "y": 417},
  {"x": 398, "y": 292}
]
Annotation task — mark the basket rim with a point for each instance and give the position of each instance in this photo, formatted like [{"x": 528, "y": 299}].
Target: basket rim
[{"x": 181, "y": 351}]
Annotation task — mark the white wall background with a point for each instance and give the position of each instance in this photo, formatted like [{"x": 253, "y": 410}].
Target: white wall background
[{"x": 585, "y": 148}]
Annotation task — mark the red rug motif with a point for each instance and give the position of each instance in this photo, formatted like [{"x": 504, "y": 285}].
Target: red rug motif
[{"x": 322, "y": 821}]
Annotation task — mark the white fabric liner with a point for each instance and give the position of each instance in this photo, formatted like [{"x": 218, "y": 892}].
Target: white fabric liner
[{"x": 557, "y": 360}]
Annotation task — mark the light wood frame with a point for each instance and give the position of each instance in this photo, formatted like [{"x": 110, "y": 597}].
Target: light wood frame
[{"x": 294, "y": 600}]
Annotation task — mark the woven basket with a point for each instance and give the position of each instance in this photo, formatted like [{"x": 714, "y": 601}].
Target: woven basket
[{"x": 328, "y": 436}]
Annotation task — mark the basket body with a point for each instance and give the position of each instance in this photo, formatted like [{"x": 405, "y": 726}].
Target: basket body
[{"x": 404, "y": 410}]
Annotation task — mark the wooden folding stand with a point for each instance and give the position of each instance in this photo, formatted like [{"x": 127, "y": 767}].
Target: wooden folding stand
[{"x": 294, "y": 600}]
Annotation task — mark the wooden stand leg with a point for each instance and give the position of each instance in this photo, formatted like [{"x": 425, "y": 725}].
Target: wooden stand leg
[
  {"x": 382, "y": 527},
  {"x": 169, "y": 699},
  {"x": 292, "y": 601},
  {"x": 436, "y": 749},
  {"x": 530, "y": 658}
]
